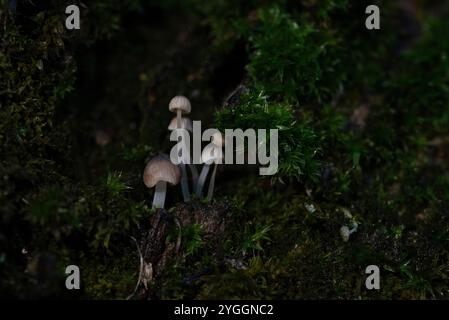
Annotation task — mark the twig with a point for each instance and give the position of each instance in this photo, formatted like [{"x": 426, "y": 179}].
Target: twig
[
  {"x": 140, "y": 272},
  {"x": 178, "y": 241}
]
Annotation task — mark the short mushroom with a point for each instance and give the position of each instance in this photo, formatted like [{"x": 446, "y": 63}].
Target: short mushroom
[
  {"x": 158, "y": 172},
  {"x": 186, "y": 124},
  {"x": 180, "y": 105},
  {"x": 208, "y": 157}
]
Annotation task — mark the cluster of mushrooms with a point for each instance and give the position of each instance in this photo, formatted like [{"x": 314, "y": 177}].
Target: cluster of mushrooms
[{"x": 160, "y": 170}]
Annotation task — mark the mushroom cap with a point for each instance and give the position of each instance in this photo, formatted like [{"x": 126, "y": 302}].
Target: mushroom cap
[
  {"x": 208, "y": 155},
  {"x": 180, "y": 103},
  {"x": 160, "y": 168},
  {"x": 186, "y": 123},
  {"x": 217, "y": 139}
]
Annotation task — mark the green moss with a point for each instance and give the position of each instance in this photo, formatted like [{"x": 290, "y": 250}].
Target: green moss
[
  {"x": 110, "y": 277},
  {"x": 298, "y": 145},
  {"x": 293, "y": 72}
]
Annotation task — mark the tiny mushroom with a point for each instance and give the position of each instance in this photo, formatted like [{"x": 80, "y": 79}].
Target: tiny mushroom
[
  {"x": 186, "y": 124},
  {"x": 345, "y": 232},
  {"x": 180, "y": 105},
  {"x": 158, "y": 172},
  {"x": 209, "y": 156}
]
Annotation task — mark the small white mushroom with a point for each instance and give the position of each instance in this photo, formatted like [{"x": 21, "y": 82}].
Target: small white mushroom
[
  {"x": 180, "y": 105},
  {"x": 186, "y": 124},
  {"x": 217, "y": 139},
  {"x": 209, "y": 157},
  {"x": 345, "y": 232},
  {"x": 158, "y": 172}
]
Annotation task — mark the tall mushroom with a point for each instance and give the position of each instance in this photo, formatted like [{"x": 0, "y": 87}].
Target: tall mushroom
[
  {"x": 180, "y": 105},
  {"x": 208, "y": 157},
  {"x": 186, "y": 124},
  {"x": 158, "y": 172}
]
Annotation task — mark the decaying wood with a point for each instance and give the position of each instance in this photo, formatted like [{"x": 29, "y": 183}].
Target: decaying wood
[{"x": 155, "y": 252}]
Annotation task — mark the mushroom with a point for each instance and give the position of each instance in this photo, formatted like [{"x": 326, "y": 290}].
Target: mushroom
[
  {"x": 158, "y": 172},
  {"x": 208, "y": 156},
  {"x": 345, "y": 232},
  {"x": 180, "y": 105},
  {"x": 186, "y": 124}
]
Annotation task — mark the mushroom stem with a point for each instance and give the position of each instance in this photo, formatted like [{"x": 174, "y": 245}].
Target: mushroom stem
[
  {"x": 202, "y": 179},
  {"x": 210, "y": 191},
  {"x": 184, "y": 183},
  {"x": 194, "y": 171},
  {"x": 178, "y": 118},
  {"x": 159, "y": 194}
]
